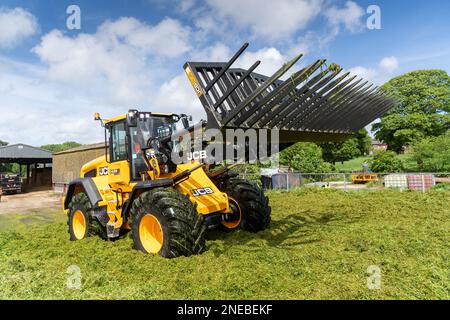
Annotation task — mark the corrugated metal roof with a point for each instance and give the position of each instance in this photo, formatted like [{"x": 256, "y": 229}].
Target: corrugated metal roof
[
  {"x": 23, "y": 151},
  {"x": 83, "y": 148}
]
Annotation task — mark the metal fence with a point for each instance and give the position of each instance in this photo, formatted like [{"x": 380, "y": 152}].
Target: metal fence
[{"x": 404, "y": 181}]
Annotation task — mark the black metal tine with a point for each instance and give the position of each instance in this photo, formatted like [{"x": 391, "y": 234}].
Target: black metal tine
[
  {"x": 362, "y": 104},
  {"x": 262, "y": 88},
  {"x": 360, "y": 100},
  {"x": 319, "y": 123},
  {"x": 381, "y": 109},
  {"x": 288, "y": 86},
  {"x": 391, "y": 105},
  {"x": 318, "y": 100},
  {"x": 346, "y": 94},
  {"x": 236, "y": 84},
  {"x": 380, "y": 105},
  {"x": 213, "y": 90},
  {"x": 289, "y": 104},
  {"x": 305, "y": 102},
  {"x": 301, "y": 104},
  {"x": 248, "y": 84},
  {"x": 372, "y": 108},
  {"x": 226, "y": 67},
  {"x": 240, "y": 93},
  {"x": 371, "y": 116},
  {"x": 358, "y": 106},
  {"x": 248, "y": 113},
  {"x": 355, "y": 94},
  {"x": 224, "y": 84}
]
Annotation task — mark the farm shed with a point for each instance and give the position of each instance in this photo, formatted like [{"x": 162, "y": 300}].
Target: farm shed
[
  {"x": 67, "y": 164},
  {"x": 37, "y": 163}
]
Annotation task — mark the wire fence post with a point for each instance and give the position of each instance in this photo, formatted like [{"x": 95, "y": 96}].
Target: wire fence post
[{"x": 345, "y": 181}]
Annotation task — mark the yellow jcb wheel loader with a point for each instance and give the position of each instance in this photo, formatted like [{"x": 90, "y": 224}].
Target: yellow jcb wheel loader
[{"x": 169, "y": 206}]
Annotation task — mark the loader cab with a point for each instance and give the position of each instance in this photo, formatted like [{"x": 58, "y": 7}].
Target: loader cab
[{"x": 129, "y": 134}]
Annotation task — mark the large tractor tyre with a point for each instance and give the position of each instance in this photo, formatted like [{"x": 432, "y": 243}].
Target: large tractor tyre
[
  {"x": 80, "y": 220},
  {"x": 166, "y": 222},
  {"x": 250, "y": 206}
]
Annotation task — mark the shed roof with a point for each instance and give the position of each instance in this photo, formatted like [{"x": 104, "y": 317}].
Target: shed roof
[{"x": 24, "y": 154}]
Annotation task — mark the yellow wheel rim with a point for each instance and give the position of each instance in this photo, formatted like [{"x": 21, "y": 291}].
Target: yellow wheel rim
[
  {"x": 79, "y": 225},
  {"x": 151, "y": 234},
  {"x": 235, "y": 223}
]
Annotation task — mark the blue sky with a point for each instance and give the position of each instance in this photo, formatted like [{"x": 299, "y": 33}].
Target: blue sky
[{"x": 130, "y": 53}]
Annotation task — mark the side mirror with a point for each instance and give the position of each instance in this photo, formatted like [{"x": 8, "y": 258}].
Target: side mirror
[
  {"x": 132, "y": 118},
  {"x": 185, "y": 119}
]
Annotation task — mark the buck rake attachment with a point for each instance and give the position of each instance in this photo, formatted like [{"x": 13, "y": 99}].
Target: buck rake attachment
[{"x": 316, "y": 103}]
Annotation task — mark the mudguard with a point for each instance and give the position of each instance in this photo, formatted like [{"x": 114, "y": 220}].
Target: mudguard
[
  {"x": 141, "y": 187},
  {"x": 88, "y": 186}
]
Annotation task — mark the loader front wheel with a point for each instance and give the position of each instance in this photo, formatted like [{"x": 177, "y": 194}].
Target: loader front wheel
[
  {"x": 165, "y": 222},
  {"x": 80, "y": 220},
  {"x": 252, "y": 203}
]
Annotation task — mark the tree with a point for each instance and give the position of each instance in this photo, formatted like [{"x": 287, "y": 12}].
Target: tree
[
  {"x": 385, "y": 162},
  {"x": 433, "y": 154},
  {"x": 305, "y": 157},
  {"x": 423, "y": 110},
  {"x": 340, "y": 151},
  {"x": 364, "y": 141},
  {"x": 4, "y": 167},
  {"x": 359, "y": 145},
  {"x": 60, "y": 147}
]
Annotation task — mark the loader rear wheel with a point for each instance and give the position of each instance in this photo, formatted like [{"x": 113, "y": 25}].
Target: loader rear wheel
[
  {"x": 166, "y": 222},
  {"x": 80, "y": 221},
  {"x": 253, "y": 204}
]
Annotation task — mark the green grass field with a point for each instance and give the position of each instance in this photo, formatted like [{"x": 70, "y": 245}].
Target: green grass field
[
  {"x": 351, "y": 165},
  {"x": 356, "y": 164},
  {"x": 319, "y": 246}
]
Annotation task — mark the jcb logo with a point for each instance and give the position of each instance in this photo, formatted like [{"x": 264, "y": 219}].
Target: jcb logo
[
  {"x": 197, "y": 155},
  {"x": 103, "y": 171},
  {"x": 202, "y": 191}
]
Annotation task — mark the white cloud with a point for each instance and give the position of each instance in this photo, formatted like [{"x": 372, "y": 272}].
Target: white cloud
[
  {"x": 266, "y": 19},
  {"x": 38, "y": 112},
  {"x": 348, "y": 16},
  {"x": 378, "y": 75},
  {"x": 215, "y": 53},
  {"x": 120, "y": 66},
  {"x": 121, "y": 60},
  {"x": 366, "y": 73},
  {"x": 15, "y": 26},
  {"x": 177, "y": 95},
  {"x": 389, "y": 64},
  {"x": 271, "y": 60},
  {"x": 184, "y": 6}
]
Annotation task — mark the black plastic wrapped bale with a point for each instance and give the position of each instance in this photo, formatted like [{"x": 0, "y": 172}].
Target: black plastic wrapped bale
[{"x": 317, "y": 103}]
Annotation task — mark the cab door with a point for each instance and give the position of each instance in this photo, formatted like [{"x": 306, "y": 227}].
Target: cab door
[{"x": 119, "y": 167}]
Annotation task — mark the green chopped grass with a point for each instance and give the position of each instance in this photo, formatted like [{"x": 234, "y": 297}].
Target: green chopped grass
[
  {"x": 32, "y": 218},
  {"x": 319, "y": 246}
]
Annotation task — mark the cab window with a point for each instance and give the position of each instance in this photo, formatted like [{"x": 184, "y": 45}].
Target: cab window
[{"x": 118, "y": 142}]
